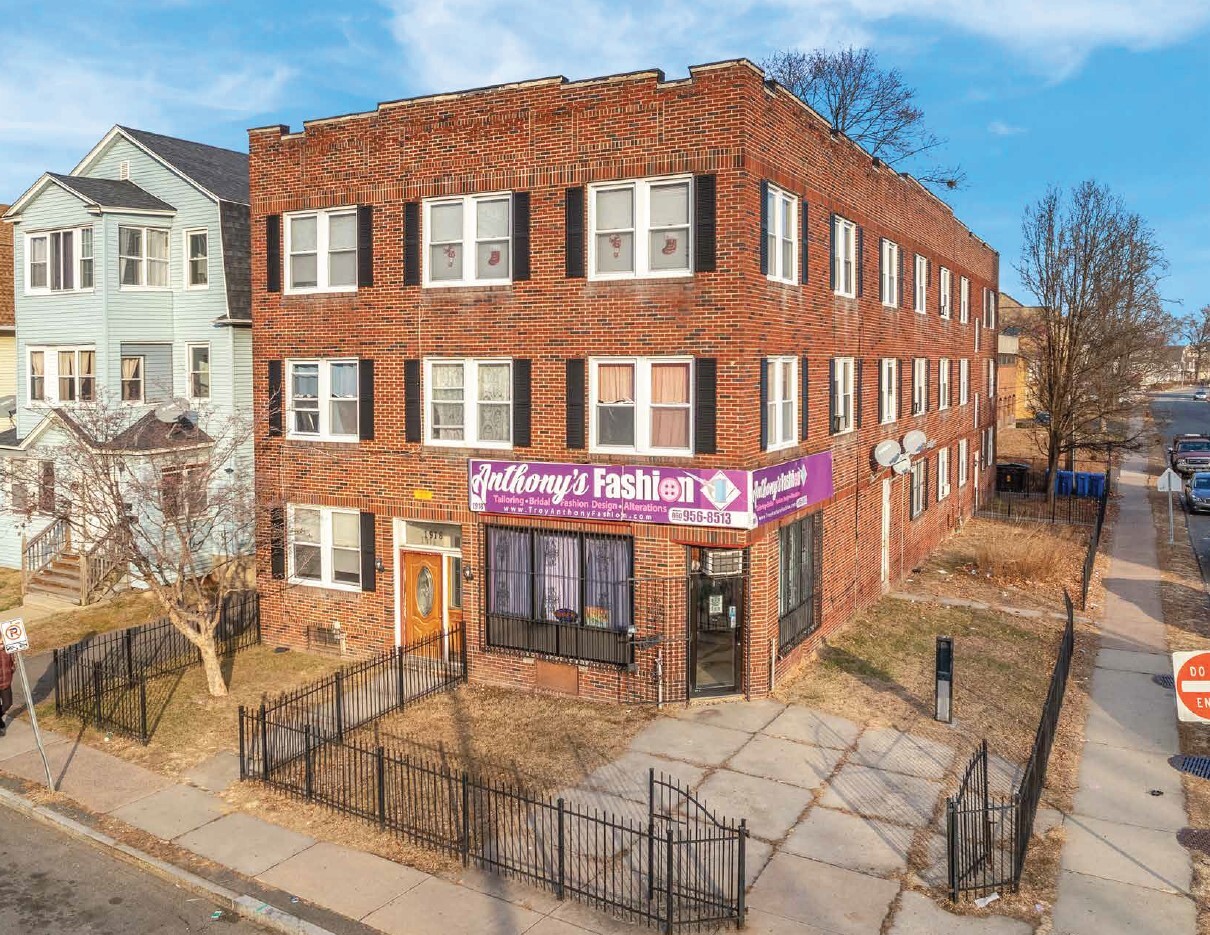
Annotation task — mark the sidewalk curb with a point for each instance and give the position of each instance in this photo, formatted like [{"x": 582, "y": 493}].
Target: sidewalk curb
[{"x": 244, "y": 906}]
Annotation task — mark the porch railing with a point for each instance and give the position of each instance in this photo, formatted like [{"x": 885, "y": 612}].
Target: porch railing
[
  {"x": 97, "y": 563},
  {"x": 44, "y": 548}
]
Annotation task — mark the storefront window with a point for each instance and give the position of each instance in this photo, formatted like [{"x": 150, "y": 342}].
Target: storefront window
[{"x": 799, "y": 546}]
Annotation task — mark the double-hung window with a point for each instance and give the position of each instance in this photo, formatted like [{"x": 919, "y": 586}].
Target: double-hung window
[
  {"x": 842, "y": 395},
  {"x": 325, "y": 547},
  {"x": 469, "y": 402},
  {"x": 991, "y": 378},
  {"x": 964, "y": 300},
  {"x": 183, "y": 491},
  {"x": 62, "y": 375},
  {"x": 888, "y": 389},
  {"x": 943, "y": 383},
  {"x": 59, "y": 261},
  {"x": 920, "y": 385},
  {"x": 920, "y": 482},
  {"x": 781, "y": 407},
  {"x": 132, "y": 379},
  {"x": 321, "y": 251},
  {"x": 640, "y": 229},
  {"x": 782, "y": 235},
  {"x": 199, "y": 371},
  {"x": 844, "y": 260},
  {"x": 642, "y": 405},
  {"x": 143, "y": 257},
  {"x": 468, "y": 240},
  {"x": 989, "y": 309},
  {"x": 963, "y": 458},
  {"x": 947, "y": 289},
  {"x": 322, "y": 400},
  {"x": 197, "y": 259},
  {"x": 921, "y": 281},
  {"x": 889, "y": 286},
  {"x": 943, "y": 474},
  {"x": 964, "y": 381}
]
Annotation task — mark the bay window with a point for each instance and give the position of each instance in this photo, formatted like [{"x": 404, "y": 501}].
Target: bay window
[
  {"x": 62, "y": 375},
  {"x": 469, "y": 402},
  {"x": 640, "y": 228},
  {"x": 322, "y": 399},
  {"x": 132, "y": 379},
  {"x": 325, "y": 547},
  {"x": 321, "y": 251},
  {"x": 642, "y": 405},
  {"x": 468, "y": 240},
  {"x": 59, "y": 261},
  {"x": 143, "y": 257}
]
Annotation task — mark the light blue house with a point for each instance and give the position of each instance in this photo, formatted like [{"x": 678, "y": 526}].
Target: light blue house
[{"x": 132, "y": 282}]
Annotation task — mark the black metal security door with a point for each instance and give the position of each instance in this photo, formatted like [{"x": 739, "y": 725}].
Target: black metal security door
[{"x": 716, "y": 622}]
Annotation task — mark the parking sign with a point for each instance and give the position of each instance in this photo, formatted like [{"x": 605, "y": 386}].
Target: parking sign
[{"x": 15, "y": 638}]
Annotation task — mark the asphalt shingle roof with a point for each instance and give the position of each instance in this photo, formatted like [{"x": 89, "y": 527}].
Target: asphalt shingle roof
[
  {"x": 222, "y": 172},
  {"x": 111, "y": 193}
]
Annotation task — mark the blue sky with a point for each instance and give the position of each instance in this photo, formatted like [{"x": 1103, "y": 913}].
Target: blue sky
[{"x": 1028, "y": 92}]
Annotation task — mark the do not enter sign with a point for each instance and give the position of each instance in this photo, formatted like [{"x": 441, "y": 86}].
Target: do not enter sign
[{"x": 1191, "y": 673}]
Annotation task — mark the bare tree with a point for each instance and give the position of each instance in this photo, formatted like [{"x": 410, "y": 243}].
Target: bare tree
[
  {"x": 871, "y": 105},
  {"x": 1195, "y": 331},
  {"x": 161, "y": 502},
  {"x": 1099, "y": 329}
]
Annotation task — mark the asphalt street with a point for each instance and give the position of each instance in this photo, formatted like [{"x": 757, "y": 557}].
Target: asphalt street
[
  {"x": 57, "y": 884},
  {"x": 1177, "y": 413}
]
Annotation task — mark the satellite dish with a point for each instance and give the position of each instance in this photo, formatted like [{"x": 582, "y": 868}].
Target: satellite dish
[
  {"x": 887, "y": 452},
  {"x": 914, "y": 442},
  {"x": 902, "y": 466},
  {"x": 170, "y": 413}
]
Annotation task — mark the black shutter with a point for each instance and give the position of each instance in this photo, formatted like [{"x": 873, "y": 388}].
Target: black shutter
[
  {"x": 925, "y": 499},
  {"x": 276, "y": 402},
  {"x": 365, "y": 400},
  {"x": 928, "y": 378},
  {"x": 273, "y": 253},
  {"x": 764, "y": 404},
  {"x": 804, "y": 265},
  {"x": 277, "y": 542},
  {"x": 765, "y": 221},
  {"x": 576, "y": 392},
  {"x": 705, "y": 406},
  {"x": 804, "y": 385},
  {"x": 411, "y": 400},
  {"x": 860, "y": 260},
  {"x": 365, "y": 245},
  {"x": 520, "y": 236},
  {"x": 881, "y": 274},
  {"x": 574, "y": 232},
  {"x": 858, "y": 385},
  {"x": 905, "y": 387},
  {"x": 369, "y": 557},
  {"x": 903, "y": 292},
  {"x": 832, "y": 252},
  {"x": 411, "y": 244},
  {"x": 832, "y": 421},
  {"x": 705, "y": 223},
  {"x": 521, "y": 403}
]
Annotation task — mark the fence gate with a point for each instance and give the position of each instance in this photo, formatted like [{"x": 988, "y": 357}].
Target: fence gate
[{"x": 980, "y": 834}]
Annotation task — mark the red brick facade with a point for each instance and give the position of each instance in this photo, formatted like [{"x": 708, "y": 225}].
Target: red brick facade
[{"x": 545, "y": 137}]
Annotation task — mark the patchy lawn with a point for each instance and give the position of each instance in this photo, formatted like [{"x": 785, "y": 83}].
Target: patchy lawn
[
  {"x": 188, "y": 725},
  {"x": 10, "y": 588},
  {"x": 1011, "y": 564},
  {"x": 71, "y": 624}
]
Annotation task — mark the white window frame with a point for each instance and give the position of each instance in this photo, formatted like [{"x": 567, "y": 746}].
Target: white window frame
[
  {"x": 977, "y": 329},
  {"x": 963, "y": 457},
  {"x": 918, "y": 493},
  {"x": 888, "y": 386},
  {"x": 324, "y": 398},
  {"x": 782, "y": 205},
  {"x": 145, "y": 259},
  {"x": 943, "y": 383},
  {"x": 642, "y": 405},
  {"x": 989, "y": 308},
  {"x": 326, "y": 548},
  {"x": 947, "y": 288},
  {"x": 964, "y": 381},
  {"x": 845, "y": 258},
  {"x": 187, "y": 260},
  {"x": 943, "y": 474},
  {"x": 889, "y": 286},
  {"x": 991, "y": 378},
  {"x": 323, "y": 220},
  {"x": 142, "y": 379},
  {"x": 470, "y": 403},
  {"x": 50, "y": 373},
  {"x": 920, "y": 383},
  {"x": 77, "y": 260},
  {"x": 469, "y": 242},
  {"x": 773, "y": 405},
  {"x": 920, "y": 283},
  {"x": 964, "y": 300},
  {"x": 641, "y": 193},
  {"x": 189, "y": 371},
  {"x": 843, "y": 376}
]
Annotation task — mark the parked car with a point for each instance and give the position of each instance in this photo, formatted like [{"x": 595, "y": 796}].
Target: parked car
[
  {"x": 1189, "y": 453},
  {"x": 1200, "y": 395},
  {"x": 1042, "y": 418},
  {"x": 1197, "y": 494}
]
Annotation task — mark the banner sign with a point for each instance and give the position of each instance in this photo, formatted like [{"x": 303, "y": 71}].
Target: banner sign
[{"x": 645, "y": 494}]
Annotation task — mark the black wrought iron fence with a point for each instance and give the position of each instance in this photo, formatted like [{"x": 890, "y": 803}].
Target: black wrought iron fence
[
  {"x": 1090, "y": 556},
  {"x": 106, "y": 680},
  {"x": 987, "y": 836},
  {"x": 1038, "y": 507}
]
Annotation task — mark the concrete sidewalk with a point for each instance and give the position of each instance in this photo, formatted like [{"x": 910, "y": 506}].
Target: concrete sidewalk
[{"x": 1122, "y": 867}]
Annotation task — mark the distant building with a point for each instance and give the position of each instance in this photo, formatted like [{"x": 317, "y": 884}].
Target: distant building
[
  {"x": 1015, "y": 343},
  {"x": 8, "y": 328},
  {"x": 1008, "y": 376}
]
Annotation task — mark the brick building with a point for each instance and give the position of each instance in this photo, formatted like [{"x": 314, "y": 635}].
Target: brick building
[{"x": 598, "y": 369}]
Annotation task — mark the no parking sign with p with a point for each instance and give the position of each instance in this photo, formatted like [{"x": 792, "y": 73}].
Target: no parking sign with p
[
  {"x": 15, "y": 639},
  {"x": 1191, "y": 674}
]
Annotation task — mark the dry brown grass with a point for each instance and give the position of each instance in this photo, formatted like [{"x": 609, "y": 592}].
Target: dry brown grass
[
  {"x": 10, "y": 588},
  {"x": 542, "y": 742},
  {"x": 189, "y": 725},
  {"x": 72, "y": 624}
]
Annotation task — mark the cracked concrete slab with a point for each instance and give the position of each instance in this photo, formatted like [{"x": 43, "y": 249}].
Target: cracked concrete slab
[
  {"x": 1116, "y": 784},
  {"x": 806, "y": 725},
  {"x": 693, "y": 742},
  {"x": 890, "y": 749},
  {"x": 785, "y": 761},
  {"x": 875, "y": 793},
  {"x": 171, "y": 812},
  {"x": 815, "y": 893},
  {"x": 862, "y": 844},
  {"x": 749, "y": 716},
  {"x": 1126, "y": 853},
  {"x": 771, "y": 808}
]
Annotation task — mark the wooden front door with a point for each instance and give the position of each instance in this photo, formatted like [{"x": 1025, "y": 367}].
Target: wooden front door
[{"x": 423, "y": 599}]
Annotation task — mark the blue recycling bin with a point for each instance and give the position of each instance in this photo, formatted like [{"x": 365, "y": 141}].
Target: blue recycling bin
[
  {"x": 1064, "y": 483},
  {"x": 1082, "y": 484},
  {"x": 1096, "y": 485}
]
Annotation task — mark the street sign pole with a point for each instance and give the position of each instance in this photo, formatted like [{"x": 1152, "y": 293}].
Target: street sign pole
[
  {"x": 1169, "y": 482},
  {"x": 33, "y": 720},
  {"x": 1171, "y": 521}
]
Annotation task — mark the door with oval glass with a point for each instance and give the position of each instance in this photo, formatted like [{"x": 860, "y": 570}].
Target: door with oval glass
[{"x": 423, "y": 601}]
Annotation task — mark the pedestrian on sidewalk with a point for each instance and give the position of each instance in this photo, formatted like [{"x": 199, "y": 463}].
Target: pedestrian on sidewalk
[{"x": 6, "y": 687}]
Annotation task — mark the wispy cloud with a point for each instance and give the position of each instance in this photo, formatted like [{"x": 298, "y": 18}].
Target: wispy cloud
[{"x": 1000, "y": 128}]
